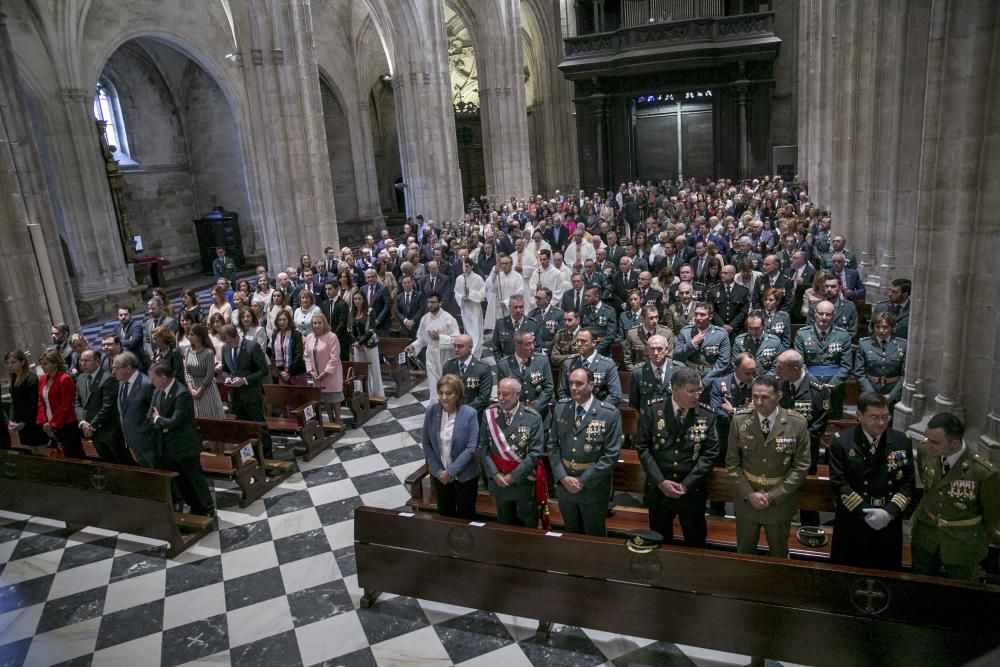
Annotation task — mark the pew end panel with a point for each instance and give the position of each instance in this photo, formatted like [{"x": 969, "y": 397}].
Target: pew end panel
[{"x": 395, "y": 364}]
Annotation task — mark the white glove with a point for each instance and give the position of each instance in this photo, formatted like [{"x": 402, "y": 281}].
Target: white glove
[{"x": 877, "y": 518}]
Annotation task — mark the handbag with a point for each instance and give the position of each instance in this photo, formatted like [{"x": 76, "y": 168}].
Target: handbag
[{"x": 371, "y": 338}]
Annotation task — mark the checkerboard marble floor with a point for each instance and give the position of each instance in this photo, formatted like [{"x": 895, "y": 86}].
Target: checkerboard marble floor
[{"x": 275, "y": 585}]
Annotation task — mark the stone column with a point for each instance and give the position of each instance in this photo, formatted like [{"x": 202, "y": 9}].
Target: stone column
[
  {"x": 32, "y": 301},
  {"x": 741, "y": 119},
  {"x": 365, "y": 177}
]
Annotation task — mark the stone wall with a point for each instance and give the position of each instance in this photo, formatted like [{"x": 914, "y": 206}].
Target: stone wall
[{"x": 338, "y": 142}]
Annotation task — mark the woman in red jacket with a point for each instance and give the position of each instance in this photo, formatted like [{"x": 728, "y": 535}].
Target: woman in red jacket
[{"x": 56, "y": 404}]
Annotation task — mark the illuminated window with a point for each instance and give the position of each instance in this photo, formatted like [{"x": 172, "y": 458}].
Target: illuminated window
[{"x": 106, "y": 108}]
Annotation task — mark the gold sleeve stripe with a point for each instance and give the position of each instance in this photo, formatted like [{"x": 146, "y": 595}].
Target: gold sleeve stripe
[
  {"x": 900, "y": 501},
  {"x": 852, "y": 501}
]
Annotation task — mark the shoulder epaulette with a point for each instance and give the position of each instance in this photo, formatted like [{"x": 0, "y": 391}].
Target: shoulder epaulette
[
  {"x": 744, "y": 411},
  {"x": 836, "y": 328},
  {"x": 705, "y": 406},
  {"x": 981, "y": 461},
  {"x": 610, "y": 406},
  {"x": 532, "y": 411},
  {"x": 815, "y": 384},
  {"x": 564, "y": 400}
]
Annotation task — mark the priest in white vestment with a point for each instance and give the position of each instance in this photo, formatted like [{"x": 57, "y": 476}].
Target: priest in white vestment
[
  {"x": 470, "y": 292},
  {"x": 546, "y": 275},
  {"x": 502, "y": 283},
  {"x": 436, "y": 332}
]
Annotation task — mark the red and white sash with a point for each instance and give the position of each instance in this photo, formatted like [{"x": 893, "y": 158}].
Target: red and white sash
[{"x": 499, "y": 439}]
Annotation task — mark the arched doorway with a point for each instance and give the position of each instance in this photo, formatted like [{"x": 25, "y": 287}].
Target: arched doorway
[{"x": 338, "y": 143}]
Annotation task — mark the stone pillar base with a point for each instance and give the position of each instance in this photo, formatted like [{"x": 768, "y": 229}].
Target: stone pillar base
[
  {"x": 105, "y": 307},
  {"x": 989, "y": 441}
]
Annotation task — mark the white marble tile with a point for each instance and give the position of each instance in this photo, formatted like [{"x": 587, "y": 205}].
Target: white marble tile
[
  {"x": 331, "y": 637},
  {"x": 421, "y": 647},
  {"x": 194, "y": 605},
  {"x": 206, "y": 547},
  {"x": 328, "y": 493},
  {"x": 63, "y": 643},
  {"x": 135, "y": 591},
  {"x": 308, "y": 572},
  {"x": 519, "y": 627},
  {"x": 390, "y": 498},
  {"x": 239, "y": 516},
  {"x": 705, "y": 657},
  {"x": 411, "y": 423},
  {"x": 222, "y": 658},
  {"x": 381, "y": 418},
  {"x": 128, "y": 654},
  {"x": 6, "y": 551},
  {"x": 39, "y": 524},
  {"x": 11, "y": 517},
  {"x": 615, "y": 645},
  {"x": 365, "y": 465},
  {"x": 263, "y": 619},
  {"x": 438, "y": 612},
  {"x": 508, "y": 656},
  {"x": 88, "y": 534},
  {"x": 249, "y": 560},
  {"x": 24, "y": 569},
  {"x": 293, "y": 523},
  {"x": 80, "y": 579},
  {"x": 326, "y": 457},
  {"x": 340, "y": 535},
  {"x": 20, "y": 623},
  {"x": 404, "y": 470}
]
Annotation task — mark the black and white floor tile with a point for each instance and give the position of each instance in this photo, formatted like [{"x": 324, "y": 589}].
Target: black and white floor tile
[{"x": 275, "y": 585}]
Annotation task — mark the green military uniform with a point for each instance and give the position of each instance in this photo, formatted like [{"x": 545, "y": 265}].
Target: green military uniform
[
  {"x": 711, "y": 358},
  {"x": 850, "y": 259},
  {"x": 683, "y": 452},
  {"x": 952, "y": 524},
  {"x": 765, "y": 350},
  {"x": 563, "y": 346},
  {"x": 755, "y": 259},
  {"x": 607, "y": 385},
  {"x": 864, "y": 476},
  {"x": 780, "y": 324},
  {"x": 586, "y": 448},
  {"x": 477, "y": 379},
  {"x": 900, "y": 312},
  {"x": 550, "y": 322},
  {"x": 504, "y": 331},
  {"x": 879, "y": 366},
  {"x": 634, "y": 352},
  {"x": 845, "y": 316},
  {"x": 535, "y": 378},
  {"x": 830, "y": 361},
  {"x": 775, "y": 463},
  {"x": 603, "y": 323},
  {"x": 524, "y": 434},
  {"x": 645, "y": 388}
]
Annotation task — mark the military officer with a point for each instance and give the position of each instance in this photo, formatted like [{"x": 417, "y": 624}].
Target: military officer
[
  {"x": 607, "y": 385},
  {"x": 517, "y": 321},
  {"x": 845, "y": 314},
  {"x": 477, "y": 378},
  {"x": 593, "y": 277},
  {"x": 728, "y": 394},
  {"x": 564, "y": 343},
  {"x": 961, "y": 504},
  {"x": 650, "y": 380},
  {"x": 704, "y": 346},
  {"x": 510, "y": 449},
  {"x": 898, "y": 305},
  {"x": 532, "y": 370},
  {"x": 881, "y": 359},
  {"x": 680, "y": 313},
  {"x": 730, "y": 302},
  {"x": 871, "y": 471},
  {"x": 636, "y": 338},
  {"x": 548, "y": 317},
  {"x": 677, "y": 446},
  {"x": 764, "y": 347},
  {"x": 583, "y": 451},
  {"x": 827, "y": 352},
  {"x": 600, "y": 319},
  {"x": 768, "y": 458}
]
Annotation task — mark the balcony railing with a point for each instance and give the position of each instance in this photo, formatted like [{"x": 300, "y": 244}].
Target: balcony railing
[{"x": 642, "y": 12}]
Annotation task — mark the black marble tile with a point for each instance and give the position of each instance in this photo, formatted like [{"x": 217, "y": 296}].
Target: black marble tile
[
  {"x": 247, "y": 535},
  {"x": 79, "y": 661},
  {"x": 472, "y": 635},
  {"x": 417, "y": 434},
  {"x": 28, "y": 593},
  {"x": 403, "y": 455},
  {"x": 190, "y": 576},
  {"x": 381, "y": 430},
  {"x": 404, "y": 411},
  {"x": 33, "y": 545},
  {"x": 360, "y": 450},
  {"x": 89, "y": 552},
  {"x": 194, "y": 640},
  {"x": 226, "y": 500},
  {"x": 11, "y": 531},
  {"x": 345, "y": 561},
  {"x": 253, "y": 588},
  {"x": 337, "y": 511},
  {"x": 392, "y": 618},
  {"x": 567, "y": 646},
  {"x": 128, "y": 624},
  {"x": 319, "y": 602},
  {"x": 135, "y": 565},
  {"x": 280, "y": 649},
  {"x": 72, "y": 609},
  {"x": 375, "y": 481},
  {"x": 301, "y": 545},
  {"x": 421, "y": 394},
  {"x": 659, "y": 653},
  {"x": 360, "y": 658},
  {"x": 288, "y": 502},
  {"x": 331, "y": 473},
  {"x": 14, "y": 653}
]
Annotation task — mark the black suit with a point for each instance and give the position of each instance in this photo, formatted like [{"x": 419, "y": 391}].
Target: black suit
[
  {"x": 615, "y": 254},
  {"x": 247, "y": 401},
  {"x": 808, "y": 275},
  {"x": 442, "y": 286},
  {"x": 180, "y": 446},
  {"x": 409, "y": 308},
  {"x": 136, "y": 429},
  {"x": 621, "y": 285},
  {"x": 729, "y": 308},
  {"x": 318, "y": 291},
  {"x": 569, "y": 301},
  {"x": 782, "y": 283},
  {"x": 379, "y": 304},
  {"x": 336, "y": 312},
  {"x": 100, "y": 411},
  {"x": 557, "y": 244}
]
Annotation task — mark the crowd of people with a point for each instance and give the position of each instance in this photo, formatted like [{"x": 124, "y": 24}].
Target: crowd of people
[{"x": 734, "y": 307}]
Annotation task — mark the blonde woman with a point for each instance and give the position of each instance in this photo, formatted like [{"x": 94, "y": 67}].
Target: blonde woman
[{"x": 322, "y": 357}]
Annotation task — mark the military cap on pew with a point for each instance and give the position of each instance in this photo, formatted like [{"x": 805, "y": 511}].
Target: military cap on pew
[{"x": 643, "y": 541}]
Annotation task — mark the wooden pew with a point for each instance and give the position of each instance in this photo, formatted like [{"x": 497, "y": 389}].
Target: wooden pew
[
  {"x": 807, "y": 613},
  {"x": 126, "y": 499},
  {"x": 395, "y": 364},
  {"x": 361, "y": 403},
  {"x": 232, "y": 449}
]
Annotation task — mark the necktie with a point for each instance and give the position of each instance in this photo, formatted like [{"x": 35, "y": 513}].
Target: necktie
[
  {"x": 371, "y": 296},
  {"x": 882, "y": 345},
  {"x": 945, "y": 467},
  {"x": 461, "y": 367},
  {"x": 681, "y": 413},
  {"x": 895, "y": 309},
  {"x": 729, "y": 292},
  {"x": 122, "y": 393},
  {"x": 586, "y": 363},
  {"x": 407, "y": 302},
  {"x": 822, "y": 336},
  {"x": 765, "y": 425},
  {"x": 433, "y": 282},
  {"x": 89, "y": 384},
  {"x": 579, "y": 415},
  {"x": 577, "y": 309}
]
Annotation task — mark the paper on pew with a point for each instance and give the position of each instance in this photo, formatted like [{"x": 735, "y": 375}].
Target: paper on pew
[
  {"x": 246, "y": 453},
  {"x": 402, "y": 358}
]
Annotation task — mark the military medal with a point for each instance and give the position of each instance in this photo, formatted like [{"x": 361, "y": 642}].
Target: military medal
[
  {"x": 660, "y": 425},
  {"x": 588, "y": 448}
]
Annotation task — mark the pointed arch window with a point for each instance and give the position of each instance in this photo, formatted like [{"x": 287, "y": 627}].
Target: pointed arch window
[{"x": 108, "y": 109}]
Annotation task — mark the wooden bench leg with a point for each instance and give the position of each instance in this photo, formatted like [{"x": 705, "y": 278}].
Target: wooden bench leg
[
  {"x": 544, "y": 631},
  {"x": 369, "y": 598}
]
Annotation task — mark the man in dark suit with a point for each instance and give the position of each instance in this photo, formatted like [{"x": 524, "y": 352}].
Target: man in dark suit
[
  {"x": 96, "y": 391},
  {"x": 730, "y": 302},
  {"x": 801, "y": 274},
  {"x": 135, "y": 393},
  {"x": 156, "y": 317},
  {"x": 377, "y": 297},
  {"x": 772, "y": 277},
  {"x": 851, "y": 287},
  {"x": 614, "y": 251},
  {"x": 622, "y": 283},
  {"x": 112, "y": 347},
  {"x": 573, "y": 299},
  {"x": 172, "y": 416},
  {"x": 309, "y": 284},
  {"x": 435, "y": 281},
  {"x": 129, "y": 332},
  {"x": 410, "y": 305},
  {"x": 336, "y": 312},
  {"x": 557, "y": 235},
  {"x": 244, "y": 368}
]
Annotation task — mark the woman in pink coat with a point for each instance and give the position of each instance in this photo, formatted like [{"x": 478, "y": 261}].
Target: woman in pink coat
[{"x": 322, "y": 357}]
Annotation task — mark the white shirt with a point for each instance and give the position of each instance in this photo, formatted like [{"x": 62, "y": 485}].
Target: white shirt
[
  {"x": 590, "y": 360},
  {"x": 771, "y": 419},
  {"x": 953, "y": 459},
  {"x": 445, "y": 434},
  {"x": 585, "y": 406}
]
